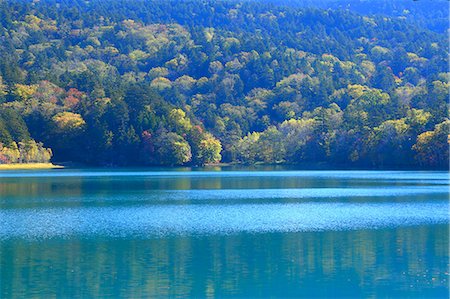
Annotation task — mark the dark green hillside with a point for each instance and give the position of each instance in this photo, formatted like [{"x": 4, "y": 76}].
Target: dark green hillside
[{"x": 137, "y": 82}]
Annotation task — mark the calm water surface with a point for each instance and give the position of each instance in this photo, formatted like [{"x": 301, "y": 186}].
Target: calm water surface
[{"x": 213, "y": 233}]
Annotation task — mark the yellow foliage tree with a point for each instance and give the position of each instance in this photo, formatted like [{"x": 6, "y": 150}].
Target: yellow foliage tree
[
  {"x": 68, "y": 121},
  {"x": 25, "y": 92}
]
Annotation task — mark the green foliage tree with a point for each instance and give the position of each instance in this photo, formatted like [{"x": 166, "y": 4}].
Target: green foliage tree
[
  {"x": 172, "y": 149},
  {"x": 33, "y": 152},
  {"x": 432, "y": 147},
  {"x": 209, "y": 150},
  {"x": 386, "y": 143},
  {"x": 15, "y": 124}
]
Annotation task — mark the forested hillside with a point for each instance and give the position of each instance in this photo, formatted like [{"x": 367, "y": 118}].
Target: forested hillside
[{"x": 149, "y": 82}]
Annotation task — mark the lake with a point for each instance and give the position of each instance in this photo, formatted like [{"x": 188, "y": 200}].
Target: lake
[{"x": 224, "y": 233}]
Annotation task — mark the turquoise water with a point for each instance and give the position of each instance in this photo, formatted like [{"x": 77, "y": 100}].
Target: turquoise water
[{"x": 204, "y": 233}]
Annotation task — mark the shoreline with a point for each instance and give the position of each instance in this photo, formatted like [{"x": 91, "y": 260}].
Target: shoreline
[
  {"x": 228, "y": 166},
  {"x": 20, "y": 166}
]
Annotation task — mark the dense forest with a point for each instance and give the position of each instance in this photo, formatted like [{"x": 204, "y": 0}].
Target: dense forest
[{"x": 164, "y": 82}]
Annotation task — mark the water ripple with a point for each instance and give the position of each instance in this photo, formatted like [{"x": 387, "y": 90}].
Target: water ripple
[
  {"x": 144, "y": 221},
  {"x": 229, "y": 195}
]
